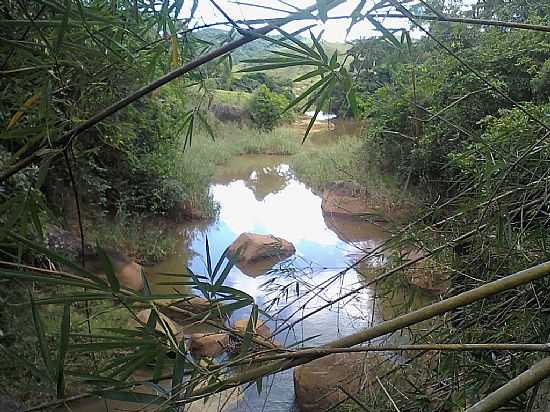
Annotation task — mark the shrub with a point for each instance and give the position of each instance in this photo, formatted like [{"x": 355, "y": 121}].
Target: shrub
[{"x": 266, "y": 108}]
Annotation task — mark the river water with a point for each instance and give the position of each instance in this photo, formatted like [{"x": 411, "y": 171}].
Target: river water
[{"x": 260, "y": 194}]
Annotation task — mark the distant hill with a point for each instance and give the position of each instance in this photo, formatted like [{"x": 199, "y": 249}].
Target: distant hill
[
  {"x": 253, "y": 50},
  {"x": 258, "y": 48}
]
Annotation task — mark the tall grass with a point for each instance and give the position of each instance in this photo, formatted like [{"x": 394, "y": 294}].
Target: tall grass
[
  {"x": 233, "y": 140},
  {"x": 147, "y": 241}
]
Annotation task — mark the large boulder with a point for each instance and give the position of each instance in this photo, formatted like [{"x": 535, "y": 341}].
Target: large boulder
[
  {"x": 262, "y": 334},
  {"x": 208, "y": 344},
  {"x": 346, "y": 199},
  {"x": 127, "y": 271},
  {"x": 316, "y": 384},
  {"x": 251, "y": 247},
  {"x": 181, "y": 309},
  {"x": 260, "y": 328},
  {"x": 143, "y": 317}
]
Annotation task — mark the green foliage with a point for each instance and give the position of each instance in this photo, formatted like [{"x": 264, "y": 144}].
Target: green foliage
[
  {"x": 421, "y": 111},
  {"x": 267, "y": 108}
]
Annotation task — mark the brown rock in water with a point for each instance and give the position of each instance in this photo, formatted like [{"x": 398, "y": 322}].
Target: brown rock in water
[
  {"x": 316, "y": 383},
  {"x": 143, "y": 317},
  {"x": 181, "y": 309},
  {"x": 262, "y": 334},
  {"x": 128, "y": 272},
  {"x": 208, "y": 344},
  {"x": 347, "y": 199},
  {"x": 251, "y": 247},
  {"x": 260, "y": 328}
]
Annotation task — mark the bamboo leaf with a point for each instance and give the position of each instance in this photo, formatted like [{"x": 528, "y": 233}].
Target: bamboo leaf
[
  {"x": 41, "y": 335},
  {"x": 278, "y": 66},
  {"x": 63, "y": 345},
  {"x": 207, "y": 126},
  {"x": 299, "y": 43},
  {"x": 109, "y": 270},
  {"x": 29, "y": 103},
  {"x": 208, "y": 261},
  {"x": 250, "y": 329},
  {"x": 318, "y": 46},
  {"x": 309, "y": 75},
  {"x": 133, "y": 397},
  {"x": 63, "y": 28},
  {"x": 179, "y": 367},
  {"x": 324, "y": 95},
  {"x": 305, "y": 94},
  {"x": 259, "y": 385},
  {"x": 226, "y": 270},
  {"x": 385, "y": 32}
]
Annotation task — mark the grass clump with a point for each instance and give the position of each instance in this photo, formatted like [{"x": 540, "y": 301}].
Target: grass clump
[
  {"x": 233, "y": 140},
  {"x": 146, "y": 240}
]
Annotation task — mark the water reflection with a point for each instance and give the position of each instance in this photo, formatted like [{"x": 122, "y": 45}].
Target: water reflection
[{"x": 259, "y": 194}]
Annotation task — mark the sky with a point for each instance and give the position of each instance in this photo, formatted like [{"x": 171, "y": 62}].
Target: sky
[{"x": 334, "y": 30}]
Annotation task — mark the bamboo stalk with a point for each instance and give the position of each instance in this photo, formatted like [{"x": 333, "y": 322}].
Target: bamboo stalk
[
  {"x": 521, "y": 383},
  {"x": 444, "y": 347}
]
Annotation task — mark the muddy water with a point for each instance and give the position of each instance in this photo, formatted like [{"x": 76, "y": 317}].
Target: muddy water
[{"x": 260, "y": 194}]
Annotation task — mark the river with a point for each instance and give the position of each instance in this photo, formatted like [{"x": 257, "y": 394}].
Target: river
[{"x": 260, "y": 194}]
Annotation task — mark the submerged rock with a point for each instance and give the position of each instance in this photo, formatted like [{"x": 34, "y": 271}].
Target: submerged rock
[
  {"x": 346, "y": 199},
  {"x": 317, "y": 383},
  {"x": 251, "y": 247},
  {"x": 182, "y": 309},
  {"x": 262, "y": 334},
  {"x": 128, "y": 272},
  {"x": 208, "y": 344},
  {"x": 260, "y": 329},
  {"x": 143, "y": 317}
]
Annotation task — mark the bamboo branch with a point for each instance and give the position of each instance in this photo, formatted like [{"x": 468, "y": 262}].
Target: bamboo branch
[
  {"x": 521, "y": 383},
  {"x": 477, "y": 22}
]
